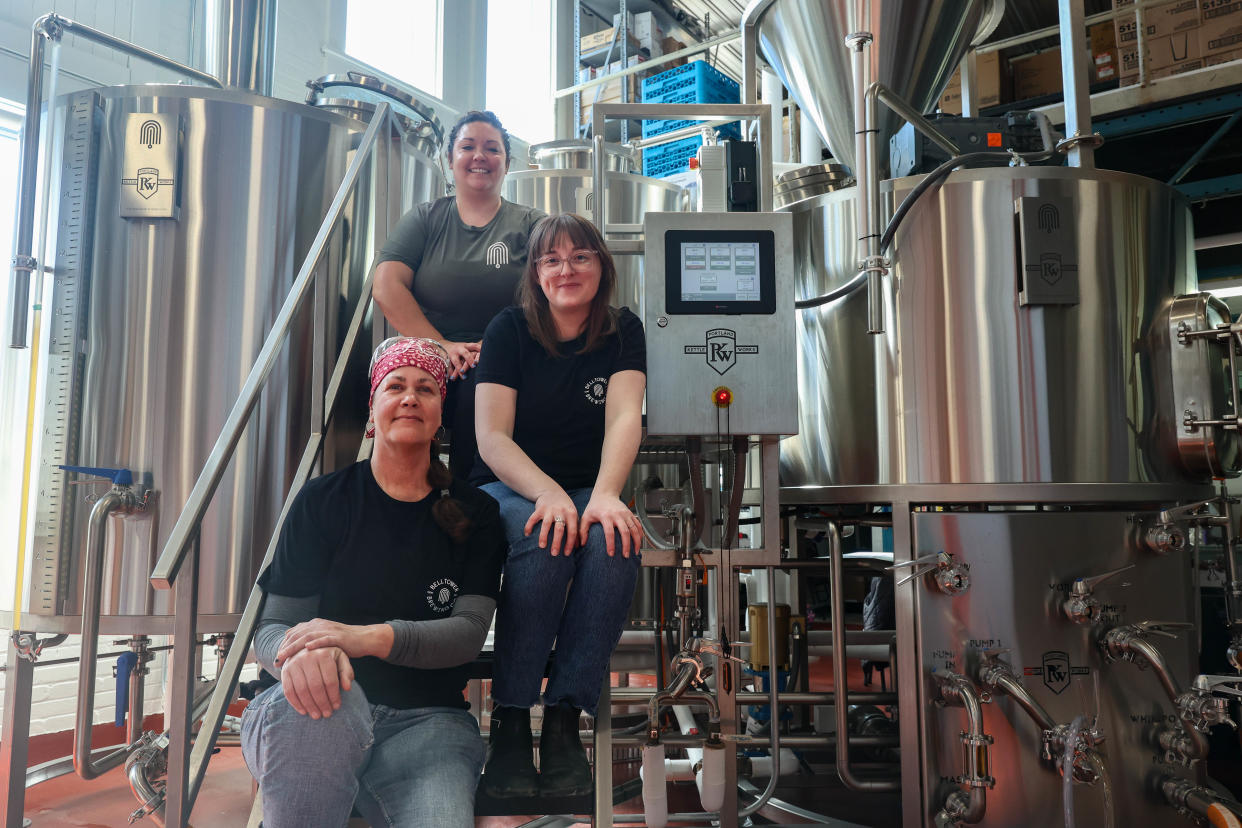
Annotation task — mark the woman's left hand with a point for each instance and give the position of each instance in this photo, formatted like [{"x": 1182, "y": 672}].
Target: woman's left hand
[
  {"x": 615, "y": 519},
  {"x": 356, "y": 641}
]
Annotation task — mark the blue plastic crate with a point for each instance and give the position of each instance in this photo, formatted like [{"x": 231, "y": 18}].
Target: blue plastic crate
[
  {"x": 672, "y": 158},
  {"x": 694, "y": 82}
]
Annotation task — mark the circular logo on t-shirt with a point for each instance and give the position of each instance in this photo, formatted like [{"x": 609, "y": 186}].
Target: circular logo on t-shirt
[
  {"x": 597, "y": 390},
  {"x": 441, "y": 594}
]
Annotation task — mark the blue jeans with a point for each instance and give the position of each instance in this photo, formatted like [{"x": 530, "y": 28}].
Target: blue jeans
[
  {"x": 534, "y": 610},
  {"x": 415, "y": 767}
]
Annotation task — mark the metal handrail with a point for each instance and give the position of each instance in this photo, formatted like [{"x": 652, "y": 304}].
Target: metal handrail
[
  {"x": 175, "y": 549},
  {"x": 187, "y": 767},
  {"x": 230, "y": 672}
]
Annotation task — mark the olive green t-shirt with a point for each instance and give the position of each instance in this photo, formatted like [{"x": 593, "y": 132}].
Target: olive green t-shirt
[{"x": 463, "y": 275}]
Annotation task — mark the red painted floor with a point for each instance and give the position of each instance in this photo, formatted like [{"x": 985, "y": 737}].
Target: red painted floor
[{"x": 227, "y": 794}]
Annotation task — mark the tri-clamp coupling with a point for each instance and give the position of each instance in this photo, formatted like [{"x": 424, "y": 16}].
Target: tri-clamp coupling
[
  {"x": 951, "y": 576},
  {"x": 1083, "y": 743},
  {"x": 1082, "y": 607},
  {"x": 1206, "y": 703}
]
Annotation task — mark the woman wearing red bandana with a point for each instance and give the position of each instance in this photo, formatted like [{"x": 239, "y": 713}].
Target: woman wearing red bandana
[{"x": 382, "y": 589}]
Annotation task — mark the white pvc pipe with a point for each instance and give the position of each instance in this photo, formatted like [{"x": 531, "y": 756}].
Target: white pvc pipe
[
  {"x": 810, "y": 145},
  {"x": 761, "y": 766},
  {"x": 655, "y": 790},
  {"x": 772, "y": 92},
  {"x": 711, "y": 778},
  {"x": 676, "y": 770}
]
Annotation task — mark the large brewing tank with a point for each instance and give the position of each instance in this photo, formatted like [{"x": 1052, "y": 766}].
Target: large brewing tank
[
  {"x": 417, "y": 130},
  {"x": 562, "y": 184},
  {"x": 973, "y": 382},
  {"x": 155, "y": 323}
]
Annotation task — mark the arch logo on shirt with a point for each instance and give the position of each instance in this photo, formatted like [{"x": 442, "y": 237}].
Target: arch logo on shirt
[
  {"x": 597, "y": 390},
  {"x": 441, "y": 594},
  {"x": 497, "y": 255}
]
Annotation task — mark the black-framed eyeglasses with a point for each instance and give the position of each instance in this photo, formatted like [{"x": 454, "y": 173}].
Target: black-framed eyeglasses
[{"x": 579, "y": 261}]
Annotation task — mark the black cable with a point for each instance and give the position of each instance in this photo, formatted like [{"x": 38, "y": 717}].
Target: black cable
[
  {"x": 932, "y": 179},
  {"x": 936, "y": 176}
]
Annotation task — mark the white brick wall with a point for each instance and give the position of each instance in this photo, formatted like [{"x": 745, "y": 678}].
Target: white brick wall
[{"x": 55, "y": 691}]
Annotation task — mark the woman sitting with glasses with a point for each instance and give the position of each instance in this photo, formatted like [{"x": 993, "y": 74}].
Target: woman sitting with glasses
[{"x": 559, "y": 419}]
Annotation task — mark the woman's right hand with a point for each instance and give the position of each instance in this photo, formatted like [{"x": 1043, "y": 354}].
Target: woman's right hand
[
  {"x": 560, "y": 519},
  {"x": 313, "y": 680},
  {"x": 462, "y": 357}
]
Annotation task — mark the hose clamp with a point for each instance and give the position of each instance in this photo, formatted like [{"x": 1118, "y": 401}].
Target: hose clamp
[{"x": 27, "y": 264}]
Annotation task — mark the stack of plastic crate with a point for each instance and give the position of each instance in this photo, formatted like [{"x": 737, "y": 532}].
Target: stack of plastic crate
[{"x": 694, "y": 82}]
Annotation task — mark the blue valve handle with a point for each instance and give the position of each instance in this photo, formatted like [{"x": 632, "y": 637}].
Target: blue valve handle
[
  {"x": 125, "y": 664},
  {"x": 119, "y": 477}
]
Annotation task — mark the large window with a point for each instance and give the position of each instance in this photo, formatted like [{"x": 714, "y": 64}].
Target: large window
[
  {"x": 14, "y": 364},
  {"x": 401, "y": 39},
  {"x": 519, "y": 67}
]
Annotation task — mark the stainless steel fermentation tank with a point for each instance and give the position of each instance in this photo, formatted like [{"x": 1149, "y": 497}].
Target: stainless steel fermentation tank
[
  {"x": 562, "y": 184},
  {"x": 1026, "y": 418},
  {"x": 155, "y": 323},
  {"x": 968, "y": 384}
]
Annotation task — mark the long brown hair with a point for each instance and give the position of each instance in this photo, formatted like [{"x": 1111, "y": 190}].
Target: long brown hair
[
  {"x": 446, "y": 511},
  {"x": 601, "y": 319}
]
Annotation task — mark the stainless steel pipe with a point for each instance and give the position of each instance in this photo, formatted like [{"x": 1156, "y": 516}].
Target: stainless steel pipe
[
  {"x": 839, "y": 684},
  {"x": 119, "y": 499}
]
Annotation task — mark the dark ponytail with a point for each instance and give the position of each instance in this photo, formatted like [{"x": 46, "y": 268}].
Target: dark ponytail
[{"x": 447, "y": 510}]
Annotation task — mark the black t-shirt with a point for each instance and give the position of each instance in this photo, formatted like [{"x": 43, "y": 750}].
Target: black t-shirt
[
  {"x": 463, "y": 275},
  {"x": 559, "y": 421},
  {"x": 372, "y": 559}
]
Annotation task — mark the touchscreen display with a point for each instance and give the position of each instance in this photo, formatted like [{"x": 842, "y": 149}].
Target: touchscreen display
[{"x": 720, "y": 271}]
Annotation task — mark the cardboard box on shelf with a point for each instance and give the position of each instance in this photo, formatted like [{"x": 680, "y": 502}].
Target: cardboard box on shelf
[
  {"x": 1222, "y": 57},
  {"x": 1160, "y": 20},
  {"x": 1175, "y": 50},
  {"x": 601, "y": 39},
  {"x": 672, "y": 44},
  {"x": 1222, "y": 26},
  {"x": 1102, "y": 41},
  {"x": 1036, "y": 74},
  {"x": 629, "y": 21},
  {"x": 990, "y": 81}
]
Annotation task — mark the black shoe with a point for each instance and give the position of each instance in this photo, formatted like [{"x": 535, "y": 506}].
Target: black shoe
[
  {"x": 510, "y": 769},
  {"x": 563, "y": 766}
]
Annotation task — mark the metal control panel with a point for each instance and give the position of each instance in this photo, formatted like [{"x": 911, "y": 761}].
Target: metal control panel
[{"x": 720, "y": 324}]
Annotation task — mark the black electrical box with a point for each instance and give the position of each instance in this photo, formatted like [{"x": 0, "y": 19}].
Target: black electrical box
[
  {"x": 910, "y": 152},
  {"x": 742, "y": 168}
]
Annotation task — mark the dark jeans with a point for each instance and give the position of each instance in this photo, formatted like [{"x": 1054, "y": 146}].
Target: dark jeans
[{"x": 534, "y": 610}]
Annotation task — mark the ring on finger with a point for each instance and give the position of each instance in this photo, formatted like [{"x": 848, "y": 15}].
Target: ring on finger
[{"x": 558, "y": 519}]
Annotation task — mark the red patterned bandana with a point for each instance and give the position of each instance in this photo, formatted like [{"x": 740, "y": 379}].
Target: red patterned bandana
[{"x": 400, "y": 351}]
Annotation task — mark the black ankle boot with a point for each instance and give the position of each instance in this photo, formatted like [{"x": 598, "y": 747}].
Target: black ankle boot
[
  {"x": 510, "y": 769},
  {"x": 563, "y": 766}
]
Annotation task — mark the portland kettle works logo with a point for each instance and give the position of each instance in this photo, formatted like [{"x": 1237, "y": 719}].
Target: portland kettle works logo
[
  {"x": 147, "y": 181},
  {"x": 721, "y": 349}
]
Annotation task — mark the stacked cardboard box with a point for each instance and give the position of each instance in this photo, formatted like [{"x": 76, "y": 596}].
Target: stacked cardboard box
[
  {"x": 1102, "y": 41},
  {"x": 990, "y": 82},
  {"x": 1036, "y": 74},
  {"x": 610, "y": 92},
  {"x": 1181, "y": 36},
  {"x": 1171, "y": 34}
]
